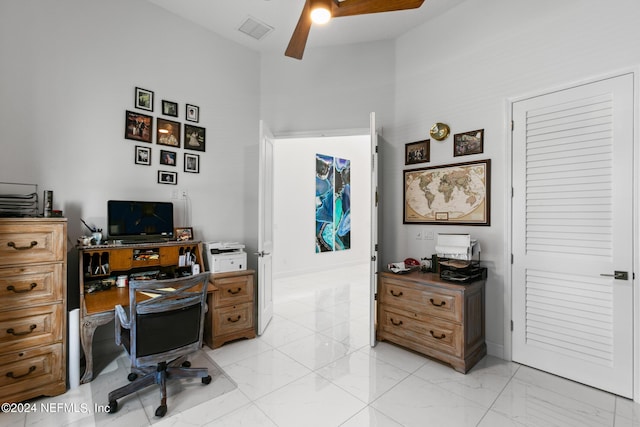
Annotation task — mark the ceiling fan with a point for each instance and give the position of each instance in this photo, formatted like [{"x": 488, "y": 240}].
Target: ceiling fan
[{"x": 320, "y": 11}]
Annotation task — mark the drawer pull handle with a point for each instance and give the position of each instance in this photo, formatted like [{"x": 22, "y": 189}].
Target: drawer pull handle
[
  {"x": 15, "y": 377},
  {"x": 232, "y": 292},
  {"x": 17, "y": 334},
  {"x": 22, "y": 248},
  {"x": 229, "y": 319},
  {"x": 438, "y": 338},
  {"x": 21, "y": 291},
  {"x": 442, "y": 303},
  {"x": 395, "y": 294},
  {"x": 398, "y": 323}
]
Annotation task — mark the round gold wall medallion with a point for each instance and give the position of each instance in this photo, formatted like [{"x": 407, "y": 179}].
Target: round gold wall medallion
[{"x": 439, "y": 131}]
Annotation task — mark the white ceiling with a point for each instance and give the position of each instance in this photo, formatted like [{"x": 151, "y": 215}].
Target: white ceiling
[{"x": 225, "y": 16}]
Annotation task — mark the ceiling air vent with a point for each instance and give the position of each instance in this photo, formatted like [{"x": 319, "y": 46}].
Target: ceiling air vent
[{"x": 254, "y": 28}]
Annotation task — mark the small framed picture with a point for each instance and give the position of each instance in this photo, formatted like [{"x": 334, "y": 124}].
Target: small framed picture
[
  {"x": 143, "y": 155},
  {"x": 194, "y": 138},
  {"x": 183, "y": 233},
  {"x": 192, "y": 113},
  {"x": 168, "y": 132},
  {"x": 166, "y": 177},
  {"x": 417, "y": 152},
  {"x": 138, "y": 126},
  {"x": 144, "y": 99},
  {"x": 468, "y": 143},
  {"x": 167, "y": 158},
  {"x": 169, "y": 108},
  {"x": 191, "y": 163}
]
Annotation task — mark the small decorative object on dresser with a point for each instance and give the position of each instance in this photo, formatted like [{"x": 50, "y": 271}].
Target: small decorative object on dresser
[
  {"x": 33, "y": 312},
  {"x": 440, "y": 319}
]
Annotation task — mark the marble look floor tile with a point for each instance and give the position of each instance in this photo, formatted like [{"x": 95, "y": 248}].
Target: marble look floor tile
[
  {"x": 395, "y": 355},
  {"x": 247, "y": 416},
  {"x": 350, "y": 309},
  {"x": 207, "y": 411},
  {"x": 281, "y": 331},
  {"x": 589, "y": 395},
  {"x": 289, "y": 309},
  {"x": 315, "y": 351},
  {"x": 531, "y": 405},
  {"x": 628, "y": 409},
  {"x": 365, "y": 377},
  {"x": 371, "y": 418},
  {"x": 416, "y": 402},
  {"x": 265, "y": 372},
  {"x": 495, "y": 419},
  {"x": 354, "y": 333},
  {"x": 238, "y": 350},
  {"x": 320, "y": 320},
  {"x": 310, "y": 401},
  {"x": 482, "y": 384},
  {"x": 625, "y": 422}
]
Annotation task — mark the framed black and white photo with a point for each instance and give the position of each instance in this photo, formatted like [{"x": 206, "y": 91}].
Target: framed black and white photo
[
  {"x": 168, "y": 157},
  {"x": 169, "y": 108},
  {"x": 166, "y": 177},
  {"x": 192, "y": 113},
  {"x": 143, "y": 155},
  {"x": 144, "y": 99},
  {"x": 191, "y": 163},
  {"x": 194, "y": 137}
]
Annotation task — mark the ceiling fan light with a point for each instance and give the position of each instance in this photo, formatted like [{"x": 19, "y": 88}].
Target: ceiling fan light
[{"x": 320, "y": 11}]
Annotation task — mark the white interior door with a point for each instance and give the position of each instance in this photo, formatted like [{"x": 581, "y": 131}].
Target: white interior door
[
  {"x": 265, "y": 229},
  {"x": 572, "y": 238},
  {"x": 373, "y": 271}
]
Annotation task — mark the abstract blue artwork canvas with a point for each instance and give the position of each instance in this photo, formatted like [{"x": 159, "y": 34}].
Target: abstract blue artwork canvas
[{"x": 333, "y": 203}]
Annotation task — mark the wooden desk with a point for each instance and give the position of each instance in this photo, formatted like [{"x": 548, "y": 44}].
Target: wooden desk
[{"x": 104, "y": 261}]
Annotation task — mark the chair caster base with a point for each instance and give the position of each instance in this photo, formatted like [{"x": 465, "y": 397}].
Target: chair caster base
[
  {"x": 206, "y": 380},
  {"x": 113, "y": 406}
]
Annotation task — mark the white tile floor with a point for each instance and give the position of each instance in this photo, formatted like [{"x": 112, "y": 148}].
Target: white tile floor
[{"x": 314, "y": 367}]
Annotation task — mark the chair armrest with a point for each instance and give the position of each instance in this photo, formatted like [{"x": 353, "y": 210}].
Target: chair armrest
[{"x": 121, "y": 321}]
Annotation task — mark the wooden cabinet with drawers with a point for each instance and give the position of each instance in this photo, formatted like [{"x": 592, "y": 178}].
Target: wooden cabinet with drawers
[
  {"x": 440, "y": 319},
  {"x": 33, "y": 286},
  {"x": 231, "y": 306}
]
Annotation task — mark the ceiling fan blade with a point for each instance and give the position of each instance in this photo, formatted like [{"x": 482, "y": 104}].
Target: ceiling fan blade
[
  {"x": 362, "y": 7},
  {"x": 298, "y": 41}
]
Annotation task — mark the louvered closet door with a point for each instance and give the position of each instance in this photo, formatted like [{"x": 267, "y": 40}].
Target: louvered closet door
[{"x": 572, "y": 229}]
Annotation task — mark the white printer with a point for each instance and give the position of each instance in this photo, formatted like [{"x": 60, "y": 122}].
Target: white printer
[{"x": 225, "y": 256}]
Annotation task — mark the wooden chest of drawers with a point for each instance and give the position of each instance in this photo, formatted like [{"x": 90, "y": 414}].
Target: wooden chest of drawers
[
  {"x": 33, "y": 286},
  {"x": 440, "y": 319},
  {"x": 231, "y": 306}
]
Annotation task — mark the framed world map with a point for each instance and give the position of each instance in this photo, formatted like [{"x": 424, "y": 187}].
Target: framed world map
[{"x": 455, "y": 194}]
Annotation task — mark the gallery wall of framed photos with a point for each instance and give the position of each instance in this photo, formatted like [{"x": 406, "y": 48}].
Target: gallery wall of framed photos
[
  {"x": 452, "y": 194},
  {"x": 168, "y": 133}
]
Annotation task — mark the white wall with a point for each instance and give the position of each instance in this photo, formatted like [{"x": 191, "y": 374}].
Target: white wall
[
  {"x": 331, "y": 88},
  {"x": 294, "y": 204},
  {"x": 67, "y": 75},
  {"x": 461, "y": 69}
]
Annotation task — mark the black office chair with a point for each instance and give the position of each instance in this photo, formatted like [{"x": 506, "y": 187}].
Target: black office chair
[{"x": 165, "y": 324}]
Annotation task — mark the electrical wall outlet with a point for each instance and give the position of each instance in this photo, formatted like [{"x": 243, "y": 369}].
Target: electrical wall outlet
[
  {"x": 184, "y": 193},
  {"x": 428, "y": 235},
  {"x": 174, "y": 194},
  {"x": 419, "y": 235}
]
